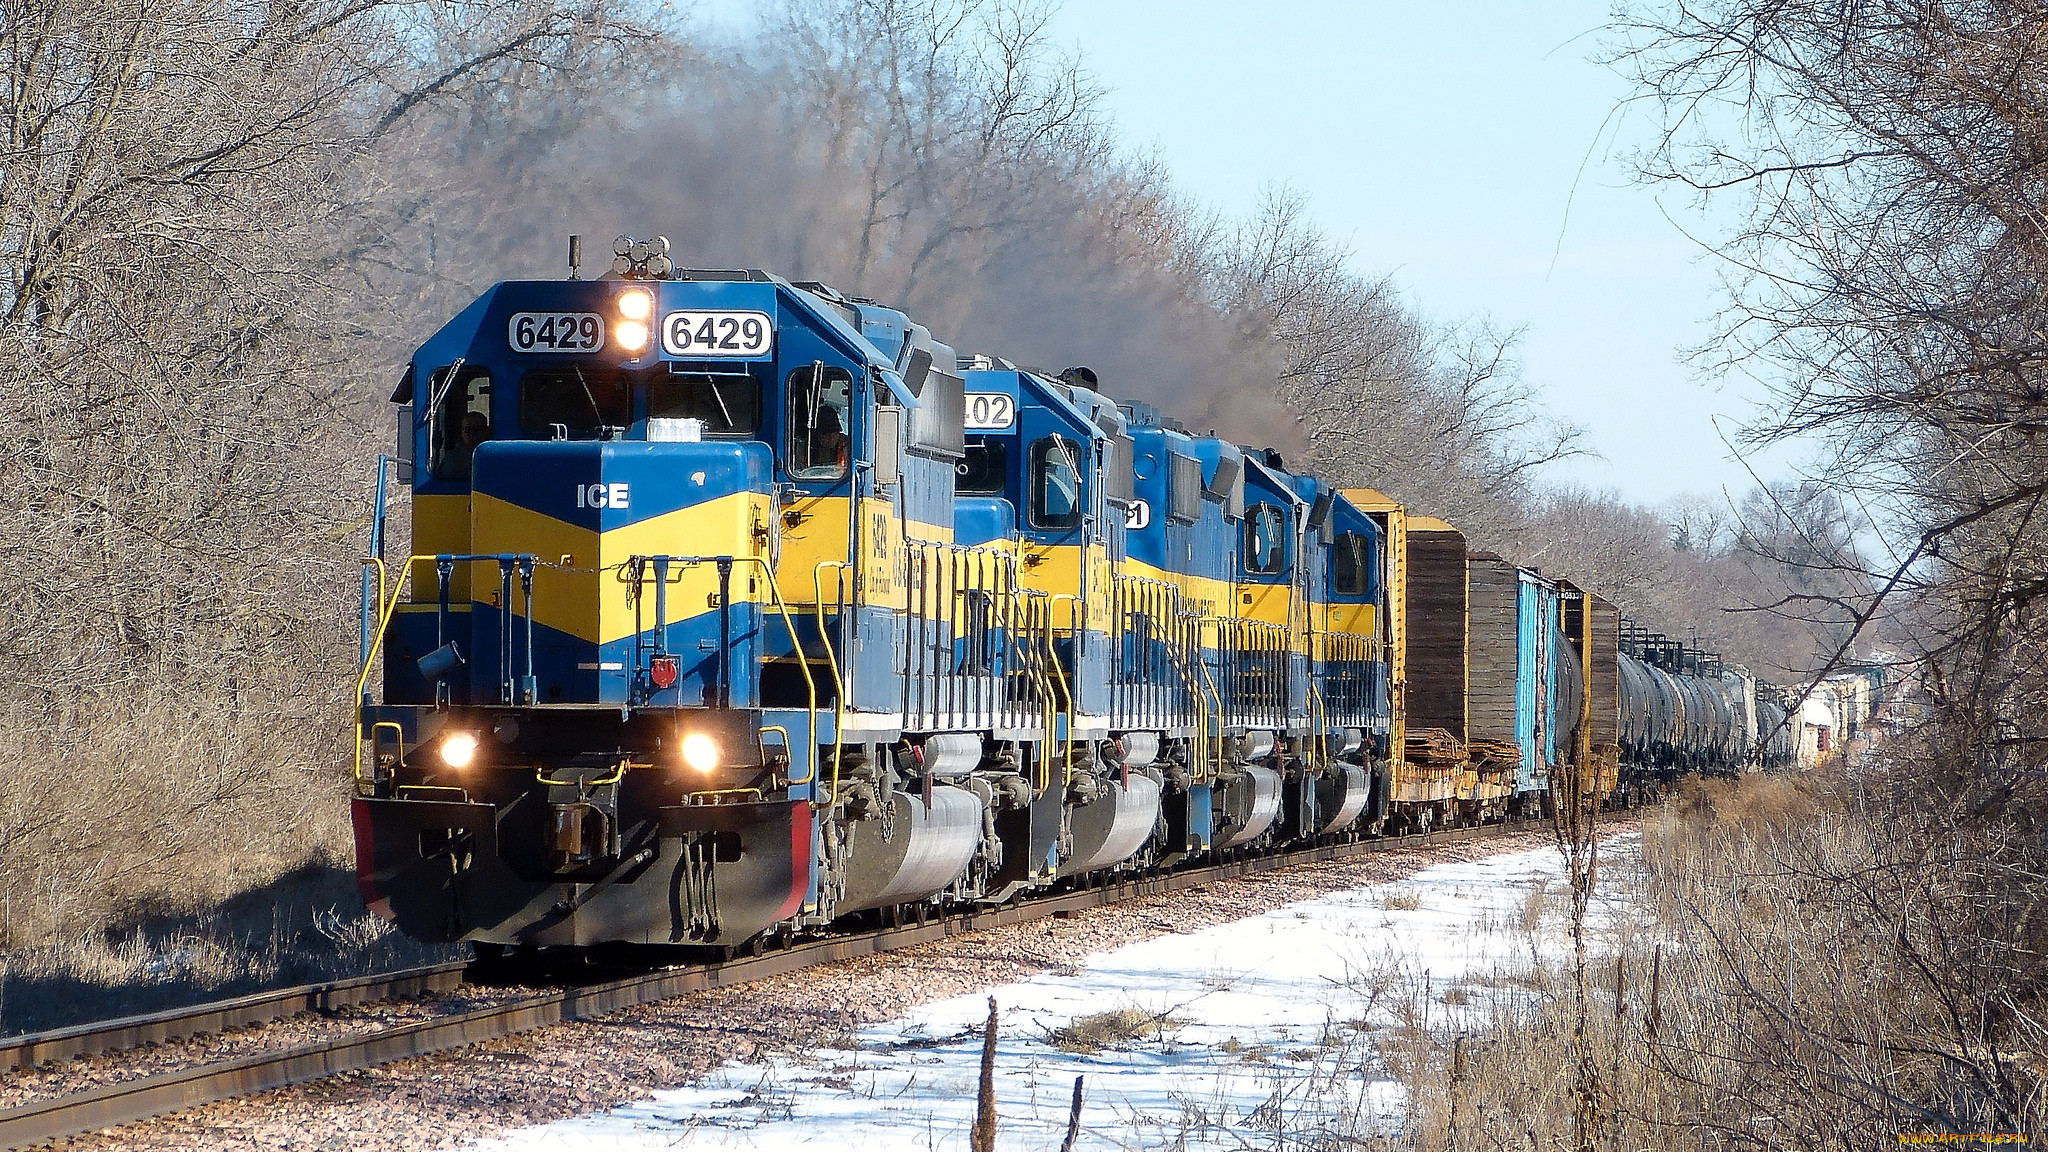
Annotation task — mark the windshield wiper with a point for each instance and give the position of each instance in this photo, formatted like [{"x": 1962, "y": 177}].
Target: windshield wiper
[
  {"x": 595, "y": 411},
  {"x": 719, "y": 396}
]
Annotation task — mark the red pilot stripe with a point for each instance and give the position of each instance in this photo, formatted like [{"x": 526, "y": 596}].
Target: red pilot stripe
[
  {"x": 799, "y": 859},
  {"x": 366, "y": 852}
]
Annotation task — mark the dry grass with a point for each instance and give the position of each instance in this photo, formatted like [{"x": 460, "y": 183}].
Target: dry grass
[
  {"x": 1116, "y": 1028},
  {"x": 303, "y": 926},
  {"x": 1768, "y": 983}
]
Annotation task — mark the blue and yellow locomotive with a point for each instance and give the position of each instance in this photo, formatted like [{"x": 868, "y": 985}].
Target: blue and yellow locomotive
[{"x": 736, "y": 606}]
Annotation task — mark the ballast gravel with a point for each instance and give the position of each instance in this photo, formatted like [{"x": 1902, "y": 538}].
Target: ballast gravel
[{"x": 585, "y": 1066}]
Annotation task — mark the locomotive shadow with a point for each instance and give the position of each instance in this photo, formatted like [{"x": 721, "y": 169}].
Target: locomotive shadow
[{"x": 305, "y": 926}]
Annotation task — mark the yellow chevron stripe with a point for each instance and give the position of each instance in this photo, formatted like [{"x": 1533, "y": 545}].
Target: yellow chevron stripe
[{"x": 582, "y": 588}]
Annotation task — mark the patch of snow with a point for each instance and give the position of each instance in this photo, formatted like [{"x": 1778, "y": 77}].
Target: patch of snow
[{"x": 1268, "y": 1026}]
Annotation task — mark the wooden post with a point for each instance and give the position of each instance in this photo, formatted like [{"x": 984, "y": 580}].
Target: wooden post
[{"x": 983, "y": 1136}]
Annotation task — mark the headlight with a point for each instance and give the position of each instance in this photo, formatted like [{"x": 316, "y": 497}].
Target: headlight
[
  {"x": 631, "y": 335},
  {"x": 635, "y": 304},
  {"x": 458, "y": 750},
  {"x": 700, "y": 752}
]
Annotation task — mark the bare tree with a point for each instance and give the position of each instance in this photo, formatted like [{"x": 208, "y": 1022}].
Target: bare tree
[
  {"x": 1887, "y": 163},
  {"x": 1440, "y": 417},
  {"x": 182, "y": 413}
]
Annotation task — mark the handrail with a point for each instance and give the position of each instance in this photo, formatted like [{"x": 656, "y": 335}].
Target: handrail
[
  {"x": 832, "y": 660},
  {"x": 1066, "y": 689},
  {"x": 376, "y": 553},
  {"x": 797, "y": 647},
  {"x": 1035, "y": 656},
  {"x": 540, "y": 773},
  {"x": 637, "y": 565},
  {"x": 1215, "y": 693},
  {"x": 389, "y": 600},
  {"x": 387, "y": 608},
  {"x": 1319, "y": 724}
]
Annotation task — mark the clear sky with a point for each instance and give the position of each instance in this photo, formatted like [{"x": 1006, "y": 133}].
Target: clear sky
[{"x": 1471, "y": 148}]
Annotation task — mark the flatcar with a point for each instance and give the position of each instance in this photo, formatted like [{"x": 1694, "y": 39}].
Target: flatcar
[{"x": 736, "y": 606}]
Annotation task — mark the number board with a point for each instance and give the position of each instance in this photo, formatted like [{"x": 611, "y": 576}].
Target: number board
[
  {"x": 706, "y": 333},
  {"x": 555, "y": 332},
  {"x": 990, "y": 411}
]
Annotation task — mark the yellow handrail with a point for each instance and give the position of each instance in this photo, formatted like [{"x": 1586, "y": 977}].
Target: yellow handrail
[
  {"x": 796, "y": 647},
  {"x": 795, "y": 644},
  {"x": 832, "y": 660},
  {"x": 1209, "y": 682},
  {"x": 540, "y": 773},
  {"x": 1319, "y": 722},
  {"x": 388, "y": 606},
  {"x": 1035, "y": 658},
  {"x": 380, "y": 726},
  {"x": 1066, "y": 689}
]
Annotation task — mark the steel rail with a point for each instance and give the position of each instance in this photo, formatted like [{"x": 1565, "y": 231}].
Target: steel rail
[
  {"x": 257, "y": 1008},
  {"x": 149, "y": 1097}
]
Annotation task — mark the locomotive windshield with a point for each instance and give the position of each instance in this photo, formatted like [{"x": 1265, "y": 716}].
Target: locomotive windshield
[
  {"x": 1353, "y": 557},
  {"x": 1265, "y": 540},
  {"x": 729, "y": 405},
  {"x": 981, "y": 471},
  {"x": 1055, "y": 483},
  {"x": 584, "y": 400}
]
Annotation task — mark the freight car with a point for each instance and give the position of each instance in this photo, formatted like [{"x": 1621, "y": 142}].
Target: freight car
[{"x": 737, "y": 606}]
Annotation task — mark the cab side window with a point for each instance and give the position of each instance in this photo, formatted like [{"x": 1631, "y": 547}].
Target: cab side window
[
  {"x": 1353, "y": 559},
  {"x": 459, "y": 419},
  {"x": 1265, "y": 540},
  {"x": 819, "y": 445},
  {"x": 1055, "y": 483}
]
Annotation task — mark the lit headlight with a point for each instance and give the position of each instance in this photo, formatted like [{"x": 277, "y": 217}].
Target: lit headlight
[
  {"x": 700, "y": 752},
  {"x": 630, "y": 334},
  {"x": 636, "y": 304},
  {"x": 458, "y": 750}
]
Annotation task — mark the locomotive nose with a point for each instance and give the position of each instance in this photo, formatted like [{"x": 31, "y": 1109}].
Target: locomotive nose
[{"x": 647, "y": 569}]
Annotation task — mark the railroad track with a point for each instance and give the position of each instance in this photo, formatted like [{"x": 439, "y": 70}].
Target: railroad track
[{"x": 156, "y": 1095}]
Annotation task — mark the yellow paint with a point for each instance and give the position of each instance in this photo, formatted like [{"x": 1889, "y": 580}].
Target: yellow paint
[
  {"x": 1393, "y": 517},
  {"x": 1056, "y": 569},
  {"x": 1348, "y": 619},
  {"x": 440, "y": 527},
  {"x": 814, "y": 532},
  {"x": 1265, "y": 603},
  {"x": 590, "y": 595},
  {"x": 1203, "y": 595}
]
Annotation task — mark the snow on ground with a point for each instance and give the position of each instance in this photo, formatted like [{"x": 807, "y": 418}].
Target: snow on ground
[{"x": 1266, "y": 1028}]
